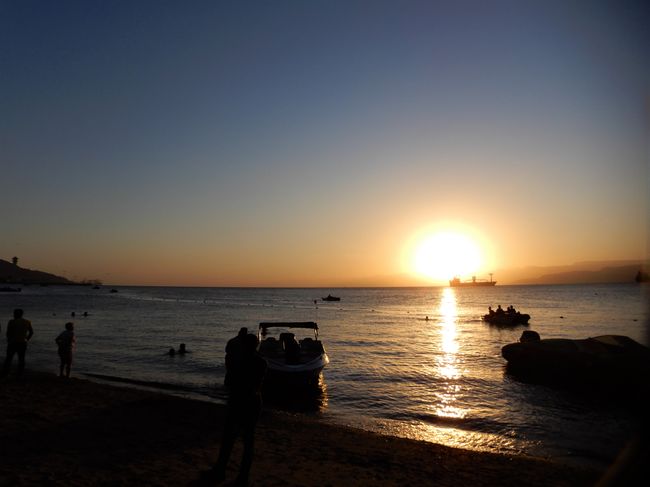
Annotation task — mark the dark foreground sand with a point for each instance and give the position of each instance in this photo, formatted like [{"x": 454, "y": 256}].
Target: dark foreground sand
[{"x": 76, "y": 432}]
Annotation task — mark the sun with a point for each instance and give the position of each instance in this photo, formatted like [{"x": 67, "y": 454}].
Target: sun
[{"x": 445, "y": 254}]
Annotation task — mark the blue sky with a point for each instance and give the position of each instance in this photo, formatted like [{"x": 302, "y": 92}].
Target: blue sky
[{"x": 286, "y": 142}]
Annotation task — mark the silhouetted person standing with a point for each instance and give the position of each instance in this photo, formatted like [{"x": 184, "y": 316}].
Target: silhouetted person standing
[
  {"x": 246, "y": 373},
  {"x": 234, "y": 349},
  {"x": 19, "y": 331},
  {"x": 66, "y": 342}
]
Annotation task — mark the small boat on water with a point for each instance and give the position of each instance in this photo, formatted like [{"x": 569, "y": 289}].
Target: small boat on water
[
  {"x": 329, "y": 297},
  {"x": 10, "y": 289},
  {"x": 474, "y": 282},
  {"x": 292, "y": 361},
  {"x": 607, "y": 360},
  {"x": 511, "y": 317}
]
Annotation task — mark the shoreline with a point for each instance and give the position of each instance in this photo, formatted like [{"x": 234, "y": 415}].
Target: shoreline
[
  {"x": 313, "y": 411},
  {"x": 80, "y": 432}
]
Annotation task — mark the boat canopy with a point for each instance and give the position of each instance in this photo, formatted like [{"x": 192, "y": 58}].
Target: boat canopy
[{"x": 311, "y": 325}]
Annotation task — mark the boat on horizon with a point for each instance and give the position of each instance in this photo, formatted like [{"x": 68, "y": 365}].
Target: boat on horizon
[
  {"x": 456, "y": 282},
  {"x": 329, "y": 297},
  {"x": 291, "y": 361},
  {"x": 10, "y": 289}
]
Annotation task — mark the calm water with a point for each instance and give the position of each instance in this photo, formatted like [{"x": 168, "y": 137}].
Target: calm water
[{"x": 391, "y": 370}]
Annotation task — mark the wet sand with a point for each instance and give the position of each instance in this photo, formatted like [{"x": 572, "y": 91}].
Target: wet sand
[{"x": 76, "y": 432}]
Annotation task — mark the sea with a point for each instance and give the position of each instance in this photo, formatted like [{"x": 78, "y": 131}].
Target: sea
[{"x": 411, "y": 362}]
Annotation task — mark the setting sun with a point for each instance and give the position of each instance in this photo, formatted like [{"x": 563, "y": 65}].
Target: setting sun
[{"x": 444, "y": 255}]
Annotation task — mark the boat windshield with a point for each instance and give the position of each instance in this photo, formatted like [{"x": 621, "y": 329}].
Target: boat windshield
[{"x": 309, "y": 325}]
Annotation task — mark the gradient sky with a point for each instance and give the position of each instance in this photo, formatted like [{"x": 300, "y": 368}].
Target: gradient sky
[{"x": 312, "y": 142}]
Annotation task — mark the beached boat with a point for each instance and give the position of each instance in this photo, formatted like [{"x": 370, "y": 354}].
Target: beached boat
[
  {"x": 292, "y": 361},
  {"x": 610, "y": 360},
  {"x": 329, "y": 297},
  {"x": 456, "y": 282}
]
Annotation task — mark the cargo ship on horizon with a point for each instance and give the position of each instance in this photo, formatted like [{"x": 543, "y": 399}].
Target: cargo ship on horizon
[{"x": 456, "y": 282}]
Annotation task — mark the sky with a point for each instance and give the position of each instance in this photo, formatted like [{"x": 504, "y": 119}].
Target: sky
[{"x": 315, "y": 143}]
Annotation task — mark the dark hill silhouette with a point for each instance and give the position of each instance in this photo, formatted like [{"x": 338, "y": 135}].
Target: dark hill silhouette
[
  {"x": 584, "y": 273},
  {"x": 14, "y": 274},
  {"x": 607, "y": 274}
]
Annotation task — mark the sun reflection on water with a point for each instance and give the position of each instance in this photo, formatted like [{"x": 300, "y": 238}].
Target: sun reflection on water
[{"x": 447, "y": 362}]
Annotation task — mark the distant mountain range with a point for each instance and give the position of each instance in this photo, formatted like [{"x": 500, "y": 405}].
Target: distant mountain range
[
  {"x": 13, "y": 274},
  {"x": 588, "y": 272}
]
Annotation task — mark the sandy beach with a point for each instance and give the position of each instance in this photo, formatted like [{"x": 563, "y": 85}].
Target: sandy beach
[{"x": 77, "y": 432}]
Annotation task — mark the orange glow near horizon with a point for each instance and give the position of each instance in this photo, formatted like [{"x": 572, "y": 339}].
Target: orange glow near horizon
[{"x": 446, "y": 254}]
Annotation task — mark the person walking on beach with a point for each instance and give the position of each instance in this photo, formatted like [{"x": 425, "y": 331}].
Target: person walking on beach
[
  {"x": 19, "y": 331},
  {"x": 247, "y": 371},
  {"x": 66, "y": 342}
]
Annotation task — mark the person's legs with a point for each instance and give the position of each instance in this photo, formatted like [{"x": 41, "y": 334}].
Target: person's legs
[
  {"x": 21, "y": 348},
  {"x": 230, "y": 430},
  {"x": 66, "y": 363},
  {"x": 61, "y": 364},
  {"x": 11, "y": 350},
  {"x": 248, "y": 434}
]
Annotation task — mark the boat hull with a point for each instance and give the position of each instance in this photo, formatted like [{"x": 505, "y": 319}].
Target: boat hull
[
  {"x": 304, "y": 373},
  {"x": 507, "y": 319},
  {"x": 472, "y": 284}
]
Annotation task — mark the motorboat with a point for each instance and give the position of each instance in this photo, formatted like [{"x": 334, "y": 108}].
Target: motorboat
[
  {"x": 606, "y": 360},
  {"x": 329, "y": 297},
  {"x": 291, "y": 360}
]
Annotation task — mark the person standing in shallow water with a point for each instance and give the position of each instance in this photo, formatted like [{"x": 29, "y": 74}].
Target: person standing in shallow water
[
  {"x": 19, "y": 331},
  {"x": 66, "y": 342},
  {"x": 246, "y": 372}
]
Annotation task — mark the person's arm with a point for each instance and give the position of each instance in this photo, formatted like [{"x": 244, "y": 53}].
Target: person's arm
[{"x": 30, "y": 331}]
